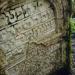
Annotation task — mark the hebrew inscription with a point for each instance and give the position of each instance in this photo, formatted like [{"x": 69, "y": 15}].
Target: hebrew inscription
[
  {"x": 31, "y": 36},
  {"x": 21, "y": 27},
  {"x": 22, "y": 24},
  {"x": 36, "y": 57}
]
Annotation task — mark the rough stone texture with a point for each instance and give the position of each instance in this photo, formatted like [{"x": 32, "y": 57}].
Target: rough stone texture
[{"x": 30, "y": 36}]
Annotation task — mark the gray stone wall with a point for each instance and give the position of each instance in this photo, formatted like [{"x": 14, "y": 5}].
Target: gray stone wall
[{"x": 30, "y": 36}]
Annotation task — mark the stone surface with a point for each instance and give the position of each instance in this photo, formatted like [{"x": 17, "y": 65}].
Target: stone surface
[{"x": 24, "y": 27}]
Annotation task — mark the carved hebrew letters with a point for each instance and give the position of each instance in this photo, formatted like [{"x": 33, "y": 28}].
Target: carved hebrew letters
[{"x": 21, "y": 26}]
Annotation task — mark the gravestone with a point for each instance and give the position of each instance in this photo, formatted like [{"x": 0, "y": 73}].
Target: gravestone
[{"x": 31, "y": 36}]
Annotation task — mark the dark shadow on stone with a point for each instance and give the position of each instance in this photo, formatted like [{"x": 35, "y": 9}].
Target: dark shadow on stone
[{"x": 62, "y": 71}]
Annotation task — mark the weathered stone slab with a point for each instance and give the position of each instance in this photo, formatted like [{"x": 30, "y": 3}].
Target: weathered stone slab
[
  {"x": 30, "y": 23},
  {"x": 24, "y": 27}
]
